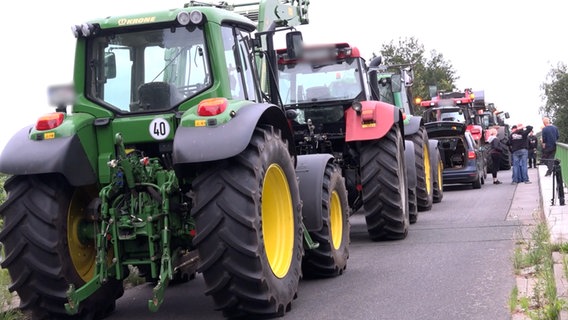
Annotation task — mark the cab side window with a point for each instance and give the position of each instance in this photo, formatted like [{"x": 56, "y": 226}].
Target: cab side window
[{"x": 238, "y": 63}]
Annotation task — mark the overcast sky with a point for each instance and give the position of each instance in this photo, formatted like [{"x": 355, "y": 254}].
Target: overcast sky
[{"x": 505, "y": 48}]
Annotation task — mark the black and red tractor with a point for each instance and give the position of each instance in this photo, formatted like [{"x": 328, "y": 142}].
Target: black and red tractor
[{"x": 327, "y": 97}]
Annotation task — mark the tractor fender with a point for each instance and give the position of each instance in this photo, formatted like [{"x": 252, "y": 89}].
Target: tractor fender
[
  {"x": 410, "y": 162},
  {"x": 310, "y": 170},
  {"x": 412, "y": 125},
  {"x": 201, "y": 144},
  {"x": 384, "y": 116},
  {"x": 65, "y": 155}
]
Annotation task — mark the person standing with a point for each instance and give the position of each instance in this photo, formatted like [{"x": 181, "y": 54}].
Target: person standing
[
  {"x": 533, "y": 145},
  {"x": 519, "y": 147},
  {"x": 550, "y": 136},
  {"x": 496, "y": 148}
]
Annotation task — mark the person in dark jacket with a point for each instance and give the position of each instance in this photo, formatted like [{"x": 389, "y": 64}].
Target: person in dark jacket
[
  {"x": 519, "y": 148},
  {"x": 496, "y": 148},
  {"x": 550, "y": 136},
  {"x": 533, "y": 145}
]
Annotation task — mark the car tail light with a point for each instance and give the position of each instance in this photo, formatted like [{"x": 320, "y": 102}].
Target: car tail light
[
  {"x": 471, "y": 155},
  {"x": 212, "y": 107},
  {"x": 50, "y": 121}
]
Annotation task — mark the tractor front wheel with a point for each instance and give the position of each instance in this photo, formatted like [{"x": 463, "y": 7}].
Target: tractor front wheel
[
  {"x": 329, "y": 259},
  {"x": 438, "y": 180},
  {"x": 424, "y": 184}
]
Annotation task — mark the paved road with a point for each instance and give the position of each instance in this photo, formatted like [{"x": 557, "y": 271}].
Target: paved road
[{"x": 455, "y": 264}]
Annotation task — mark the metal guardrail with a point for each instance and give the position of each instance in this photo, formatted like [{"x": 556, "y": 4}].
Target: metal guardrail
[{"x": 562, "y": 155}]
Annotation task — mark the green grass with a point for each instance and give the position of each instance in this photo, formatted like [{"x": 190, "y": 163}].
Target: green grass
[
  {"x": 6, "y": 297},
  {"x": 535, "y": 254},
  {"x": 513, "y": 299}
]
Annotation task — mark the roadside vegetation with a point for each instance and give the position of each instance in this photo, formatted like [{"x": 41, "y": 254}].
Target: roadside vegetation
[{"x": 537, "y": 298}]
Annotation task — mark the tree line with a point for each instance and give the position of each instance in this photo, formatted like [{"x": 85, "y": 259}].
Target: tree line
[
  {"x": 555, "y": 97},
  {"x": 434, "y": 70}
]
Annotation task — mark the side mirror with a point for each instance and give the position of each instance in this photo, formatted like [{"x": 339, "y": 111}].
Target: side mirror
[
  {"x": 291, "y": 114},
  {"x": 433, "y": 90},
  {"x": 110, "y": 65},
  {"x": 396, "y": 83},
  {"x": 376, "y": 62},
  {"x": 408, "y": 76},
  {"x": 374, "y": 84},
  {"x": 61, "y": 96},
  {"x": 294, "y": 44},
  {"x": 507, "y": 116}
]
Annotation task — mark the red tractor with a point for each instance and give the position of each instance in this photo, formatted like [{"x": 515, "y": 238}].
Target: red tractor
[
  {"x": 327, "y": 98},
  {"x": 458, "y": 107}
]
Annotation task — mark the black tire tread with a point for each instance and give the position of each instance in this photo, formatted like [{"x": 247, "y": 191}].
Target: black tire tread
[
  {"x": 438, "y": 185},
  {"x": 424, "y": 193},
  {"x": 37, "y": 257},
  {"x": 327, "y": 261},
  {"x": 383, "y": 178}
]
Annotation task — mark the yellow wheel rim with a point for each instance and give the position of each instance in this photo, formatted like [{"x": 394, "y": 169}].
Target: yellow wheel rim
[
  {"x": 336, "y": 220},
  {"x": 427, "y": 168},
  {"x": 81, "y": 249},
  {"x": 440, "y": 174},
  {"x": 277, "y": 220}
]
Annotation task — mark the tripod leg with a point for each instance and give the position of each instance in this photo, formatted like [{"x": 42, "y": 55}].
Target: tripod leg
[{"x": 559, "y": 182}]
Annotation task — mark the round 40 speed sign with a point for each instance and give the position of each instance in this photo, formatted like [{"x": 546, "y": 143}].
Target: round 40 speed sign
[{"x": 159, "y": 129}]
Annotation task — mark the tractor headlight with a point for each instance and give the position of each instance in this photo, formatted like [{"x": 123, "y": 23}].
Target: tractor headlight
[
  {"x": 196, "y": 17},
  {"x": 183, "y": 18}
]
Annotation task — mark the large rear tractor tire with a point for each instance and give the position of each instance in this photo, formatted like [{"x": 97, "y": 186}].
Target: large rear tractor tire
[
  {"x": 385, "y": 193},
  {"x": 506, "y": 160},
  {"x": 48, "y": 248},
  {"x": 424, "y": 181},
  {"x": 329, "y": 259},
  {"x": 249, "y": 237}
]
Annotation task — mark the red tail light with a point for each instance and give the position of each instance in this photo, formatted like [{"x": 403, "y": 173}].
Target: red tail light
[
  {"x": 212, "y": 107},
  {"x": 50, "y": 121},
  {"x": 471, "y": 155}
]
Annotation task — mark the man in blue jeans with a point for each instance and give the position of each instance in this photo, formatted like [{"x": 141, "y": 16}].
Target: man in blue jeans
[{"x": 520, "y": 153}]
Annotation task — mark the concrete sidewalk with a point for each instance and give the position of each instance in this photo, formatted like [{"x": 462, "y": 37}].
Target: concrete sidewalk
[{"x": 538, "y": 198}]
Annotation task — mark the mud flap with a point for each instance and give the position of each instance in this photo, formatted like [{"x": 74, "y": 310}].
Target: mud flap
[{"x": 310, "y": 171}]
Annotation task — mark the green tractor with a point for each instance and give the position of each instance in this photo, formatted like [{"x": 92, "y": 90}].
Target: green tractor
[
  {"x": 166, "y": 155},
  {"x": 392, "y": 84}
]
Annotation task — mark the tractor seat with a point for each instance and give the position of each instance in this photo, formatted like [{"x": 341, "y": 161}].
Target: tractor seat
[
  {"x": 317, "y": 93},
  {"x": 158, "y": 95}
]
